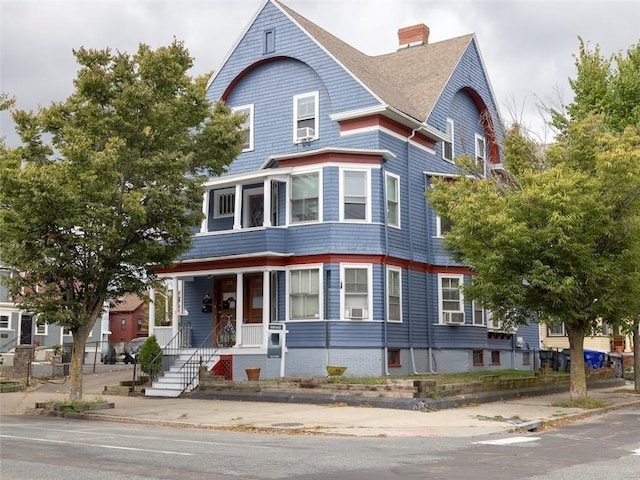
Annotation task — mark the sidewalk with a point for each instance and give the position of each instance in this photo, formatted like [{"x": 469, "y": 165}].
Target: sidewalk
[{"x": 473, "y": 419}]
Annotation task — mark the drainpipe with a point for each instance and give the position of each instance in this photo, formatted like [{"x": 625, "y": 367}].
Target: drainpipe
[
  {"x": 385, "y": 360},
  {"x": 411, "y": 350},
  {"x": 429, "y": 323}
]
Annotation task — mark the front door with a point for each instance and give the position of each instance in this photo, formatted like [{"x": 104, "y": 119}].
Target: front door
[
  {"x": 26, "y": 327},
  {"x": 253, "y": 298},
  {"x": 224, "y": 311},
  {"x": 256, "y": 210}
]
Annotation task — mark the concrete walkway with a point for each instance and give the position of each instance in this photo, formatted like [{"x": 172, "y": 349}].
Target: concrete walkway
[{"x": 470, "y": 420}]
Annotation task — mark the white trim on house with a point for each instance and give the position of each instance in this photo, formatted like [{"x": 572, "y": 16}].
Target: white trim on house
[
  {"x": 453, "y": 319},
  {"x": 367, "y": 313},
  {"x": 249, "y": 123},
  {"x": 310, "y": 266},
  {"x": 398, "y": 270},
  {"x": 387, "y": 175},
  {"x": 314, "y": 133},
  {"x": 367, "y": 194}
]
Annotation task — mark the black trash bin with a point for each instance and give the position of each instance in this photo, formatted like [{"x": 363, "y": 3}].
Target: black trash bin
[{"x": 546, "y": 357}]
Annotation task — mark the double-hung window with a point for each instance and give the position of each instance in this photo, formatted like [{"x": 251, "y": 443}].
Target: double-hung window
[
  {"x": 305, "y": 117},
  {"x": 393, "y": 200},
  {"x": 305, "y": 197},
  {"x": 447, "y": 146},
  {"x": 451, "y": 301},
  {"x": 481, "y": 155},
  {"x": 304, "y": 294},
  {"x": 356, "y": 281},
  {"x": 355, "y": 195},
  {"x": 556, "y": 330},
  {"x": 443, "y": 226},
  {"x": 41, "y": 329},
  {"x": 394, "y": 294},
  {"x": 478, "y": 313},
  {"x": 4, "y": 321},
  {"x": 247, "y": 126}
]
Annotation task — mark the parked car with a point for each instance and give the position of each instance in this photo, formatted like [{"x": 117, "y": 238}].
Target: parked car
[{"x": 124, "y": 353}]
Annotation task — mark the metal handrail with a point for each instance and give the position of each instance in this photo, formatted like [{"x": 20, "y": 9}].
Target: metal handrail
[
  {"x": 5, "y": 345},
  {"x": 182, "y": 339},
  {"x": 228, "y": 333}
]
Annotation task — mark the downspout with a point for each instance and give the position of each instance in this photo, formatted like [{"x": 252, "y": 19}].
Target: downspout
[
  {"x": 430, "y": 256},
  {"x": 411, "y": 349},
  {"x": 385, "y": 328}
]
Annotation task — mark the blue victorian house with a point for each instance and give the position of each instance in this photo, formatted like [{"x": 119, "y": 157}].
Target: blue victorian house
[{"x": 318, "y": 246}]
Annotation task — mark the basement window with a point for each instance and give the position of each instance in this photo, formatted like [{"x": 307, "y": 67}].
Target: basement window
[
  {"x": 495, "y": 357},
  {"x": 478, "y": 358},
  {"x": 393, "y": 359}
]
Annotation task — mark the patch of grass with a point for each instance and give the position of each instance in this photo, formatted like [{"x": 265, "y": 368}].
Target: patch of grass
[
  {"x": 184, "y": 415},
  {"x": 436, "y": 394},
  {"x": 586, "y": 403},
  {"x": 440, "y": 378}
]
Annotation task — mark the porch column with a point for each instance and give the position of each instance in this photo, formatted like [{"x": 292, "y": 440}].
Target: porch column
[
  {"x": 266, "y": 213},
  {"x": 266, "y": 305},
  {"x": 205, "y": 211},
  {"x": 239, "y": 307},
  {"x": 152, "y": 311},
  {"x": 237, "y": 212},
  {"x": 175, "y": 316}
]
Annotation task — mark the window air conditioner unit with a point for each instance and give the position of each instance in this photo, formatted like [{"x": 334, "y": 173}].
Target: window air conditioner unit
[
  {"x": 356, "y": 313},
  {"x": 304, "y": 134},
  {"x": 453, "y": 318}
]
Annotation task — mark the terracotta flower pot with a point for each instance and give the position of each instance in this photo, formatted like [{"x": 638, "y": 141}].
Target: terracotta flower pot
[{"x": 252, "y": 373}]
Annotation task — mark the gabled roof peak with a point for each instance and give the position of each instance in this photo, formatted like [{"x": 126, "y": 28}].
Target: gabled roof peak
[{"x": 409, "y": 79}]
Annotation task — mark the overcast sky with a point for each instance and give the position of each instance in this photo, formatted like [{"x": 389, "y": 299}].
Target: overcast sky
[{"x": 527, "y": 45}]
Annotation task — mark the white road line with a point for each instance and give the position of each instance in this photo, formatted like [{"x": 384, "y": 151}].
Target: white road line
[
  {"x": 107, "y": 433},
  {"x": 508, "y": 441},
  {"x": 113, "y": 447}
]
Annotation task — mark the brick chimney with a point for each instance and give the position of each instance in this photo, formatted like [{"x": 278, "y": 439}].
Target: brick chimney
[{"x": 414, "y": 35}]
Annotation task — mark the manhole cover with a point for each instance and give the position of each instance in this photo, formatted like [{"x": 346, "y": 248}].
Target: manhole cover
[{"x": 286, "y": 425}]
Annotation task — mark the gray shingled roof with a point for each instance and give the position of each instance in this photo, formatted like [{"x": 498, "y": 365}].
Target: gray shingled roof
[{"x": 410, "y": 79}]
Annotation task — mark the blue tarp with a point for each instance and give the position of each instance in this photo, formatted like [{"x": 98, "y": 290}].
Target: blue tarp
[{"x": 594, "y": 359}]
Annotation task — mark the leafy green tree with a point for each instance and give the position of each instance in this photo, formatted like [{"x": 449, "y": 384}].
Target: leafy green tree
[
  {"x": 108, "y": 184},
  {"x": 611, "y": 87},
  {"x": 150, "y": 357},
  {"x": 555, "y": 242}
]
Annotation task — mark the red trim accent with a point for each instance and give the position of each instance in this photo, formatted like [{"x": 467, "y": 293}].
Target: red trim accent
[
  {"x": 332, "y": 157},
  {"x": 378, "y": 120},
  {"x": 487, "y": 124},
  {"x": 246, "y": 72},
  {"x": 267, "y": 261}
]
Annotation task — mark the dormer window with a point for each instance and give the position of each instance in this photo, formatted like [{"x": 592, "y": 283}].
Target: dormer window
[{"x": 305, "y": 117}]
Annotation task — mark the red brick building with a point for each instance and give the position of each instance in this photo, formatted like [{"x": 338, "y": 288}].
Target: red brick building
[{"x": 128, "y": 320}]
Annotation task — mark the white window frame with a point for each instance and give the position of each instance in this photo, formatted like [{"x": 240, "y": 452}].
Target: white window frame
[
  {"x": 481, "y": 156},
  {"x": 343, "y": 291},
  {"x": 216, "y": 202},
  {"x": 8, "y": 325},
  {"x": 441, "y": 310},
  {"x": 367, "y": 203},
  {"x": 475, "y": 310},
  {"x": 289, "y": 199},
  {"x": 397, "y": 270},
  {"x": 439, "y": 232},
  {"x": 396, "y": 179},
  {"x": 308, "y": 267},
  {"x": 248, "y": 192},
  {"x": 450, "y": 136},
  {"x": 248, "y": 124},
  {"x": 43, "y": 326},
  {"x": 316, "y": 123},
  {"x": 556, "y": 334}
]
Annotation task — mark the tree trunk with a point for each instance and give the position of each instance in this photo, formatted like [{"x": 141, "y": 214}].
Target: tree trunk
[
  {"x": 578, "y": 378},
  {"x": 636, "y": 357},
  {"x": 77, "y": 359}
]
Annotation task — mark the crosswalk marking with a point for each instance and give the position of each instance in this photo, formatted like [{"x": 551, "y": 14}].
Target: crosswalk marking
[{"x": 508, "y": 441}]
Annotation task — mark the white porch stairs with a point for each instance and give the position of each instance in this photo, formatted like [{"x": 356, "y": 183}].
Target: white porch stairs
[{"x": 182, "y": 376}]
